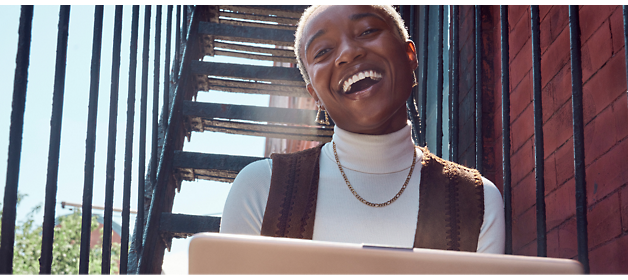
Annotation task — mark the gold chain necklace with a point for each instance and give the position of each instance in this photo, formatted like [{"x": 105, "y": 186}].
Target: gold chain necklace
[{"x": 405, "y": 184}]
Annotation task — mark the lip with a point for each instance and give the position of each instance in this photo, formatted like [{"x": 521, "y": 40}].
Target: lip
[{"x": 354, "y": 70}]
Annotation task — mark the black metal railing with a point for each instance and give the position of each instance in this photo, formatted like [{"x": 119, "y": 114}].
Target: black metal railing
[{"x": 172, "y": 89}]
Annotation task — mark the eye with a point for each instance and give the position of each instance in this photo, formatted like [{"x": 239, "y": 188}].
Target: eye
[
  {"x": 320, "y": 53},
  {"x": 369, "y": 31}
]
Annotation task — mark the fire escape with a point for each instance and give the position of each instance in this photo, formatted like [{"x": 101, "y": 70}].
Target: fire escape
[{"x": 253, "y": 32}]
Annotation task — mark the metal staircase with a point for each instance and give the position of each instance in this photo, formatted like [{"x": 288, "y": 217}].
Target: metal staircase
[{"x": 226, "y": 31}]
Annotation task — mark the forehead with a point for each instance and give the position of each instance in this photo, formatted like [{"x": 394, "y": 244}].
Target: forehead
[{"x": 328, "y": 16}]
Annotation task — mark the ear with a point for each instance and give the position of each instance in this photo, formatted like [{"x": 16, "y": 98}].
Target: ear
[
  {"x": 310, "y": 90},
  {"x": 411, "y": 53}
]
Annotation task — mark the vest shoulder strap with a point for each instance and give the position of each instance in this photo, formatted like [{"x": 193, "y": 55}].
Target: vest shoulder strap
[
  {"x": 292, "y": 197},
  {"x": 451, "y": 205}
]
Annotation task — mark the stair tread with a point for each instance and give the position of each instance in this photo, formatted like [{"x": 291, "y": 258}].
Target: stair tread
[{"x": 252, "y": 34}]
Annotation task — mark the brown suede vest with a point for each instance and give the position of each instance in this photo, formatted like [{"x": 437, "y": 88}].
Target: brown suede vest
[{"x": 451, "y": 201}]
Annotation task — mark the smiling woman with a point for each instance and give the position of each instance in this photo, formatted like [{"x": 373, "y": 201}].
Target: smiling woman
[{"x": 365, "y": 186}]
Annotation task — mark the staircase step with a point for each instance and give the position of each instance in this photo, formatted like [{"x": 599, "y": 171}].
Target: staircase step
[
  {"x": 251, "y": 34},
  {"x": 264, "y": 130},
  {"x": 204, "y": 83},
  {"x": 182, "y": 225},
  {"x": 216, "y": 167},
  {"x": 289, "y": 11},
  {"x": 279, "y": 75},
  {"x": 245, "y": 113}
]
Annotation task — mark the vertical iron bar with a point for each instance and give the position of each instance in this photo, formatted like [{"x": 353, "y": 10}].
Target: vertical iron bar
[
  {"x": 411, "y": 102},
  {"x": 177, "y": 45},
  {"x": 505, "y": 57},
  {"x": 423, "y": 94},
  {"x": 55, "y": 142},
  {"x": 578, "y": 137},
  {"x": 18, "y": 104},
  {"x": 455, "y": 83},
  {"x": 168, "y": 39},
  {"x": 539, "y": 164},
  {"x": 478, "y": 89},
  {"x": 90, "y": 142},
  {"x": 439, "y": 85},
  {"x": 111, "y": 143},
  {"x": 139, "y": 227},
  {"x": 184, "y": 35},
  {"x": 128, "y": 149},
  {"x": 153, "y": 157}
]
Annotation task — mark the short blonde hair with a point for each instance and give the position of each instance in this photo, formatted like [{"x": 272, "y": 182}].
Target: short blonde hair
[{"x": 387, "y": 9}]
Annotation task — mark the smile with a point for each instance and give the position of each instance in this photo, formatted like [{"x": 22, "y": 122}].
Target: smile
[{"x": 369, "y": 75}]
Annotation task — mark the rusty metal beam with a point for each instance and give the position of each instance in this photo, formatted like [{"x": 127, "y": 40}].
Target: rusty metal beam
[
  {"x": 282, "y": 75},
  {"x": 247, "y": 33},
  {"x": 218, "y": 167}
]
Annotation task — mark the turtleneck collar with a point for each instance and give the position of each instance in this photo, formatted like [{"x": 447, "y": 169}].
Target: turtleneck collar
[{"x": 377, "y": 154}]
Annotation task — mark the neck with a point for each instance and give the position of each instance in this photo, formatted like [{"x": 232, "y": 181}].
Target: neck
[{"x": 374, "y": 153}]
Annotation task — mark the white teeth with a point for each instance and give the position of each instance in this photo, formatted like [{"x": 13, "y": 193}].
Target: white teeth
[{"x": 360, "y": 76}]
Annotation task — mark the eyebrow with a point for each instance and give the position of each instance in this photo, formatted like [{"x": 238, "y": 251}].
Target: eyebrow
[{"x": 353, "y": 17}]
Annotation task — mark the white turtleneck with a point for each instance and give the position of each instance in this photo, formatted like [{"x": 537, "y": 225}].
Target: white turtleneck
[{"x": 376, "y": 166}]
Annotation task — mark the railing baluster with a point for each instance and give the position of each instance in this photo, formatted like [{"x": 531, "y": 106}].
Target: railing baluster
[
  {"x": 478, "y": 89},
  {"x": 55, "y": 142},
  {"x": 578, "y": 137},
  {"x": 177, "y": 45},
  {"x": 111, "y": 143},
  {"x": 423, "y": 94},
  {"x": 20, "y": 80},
  {"x": 439, "y": 84},
  {"x": 505, "y": 57},
  {"x": 184, "y": 35},
  {"x": 166, "y": 108},
  {"x": 128, "y": 150},
  {"x": 154, "y": 158},
  {"x": 455, "y": 54},
  {"x": 139, "y": 227},
  {"x": 90, "y": 142},
  {"x": 539, "y": 164}
]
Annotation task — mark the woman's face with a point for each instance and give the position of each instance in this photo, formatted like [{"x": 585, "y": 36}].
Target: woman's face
[{"x": 360, "y": 69}]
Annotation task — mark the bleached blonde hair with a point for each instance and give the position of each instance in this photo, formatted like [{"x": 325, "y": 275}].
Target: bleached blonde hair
[{"x": 386, "y": 9}]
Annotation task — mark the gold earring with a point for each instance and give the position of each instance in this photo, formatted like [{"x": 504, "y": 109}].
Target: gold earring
[{"x": 319, "y": 119}]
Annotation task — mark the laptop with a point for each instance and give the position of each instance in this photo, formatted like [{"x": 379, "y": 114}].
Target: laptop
[{"x": 220, "y": 253}]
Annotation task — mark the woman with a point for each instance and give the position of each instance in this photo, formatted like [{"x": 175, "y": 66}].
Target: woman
[{"x": 370, "y": 184}]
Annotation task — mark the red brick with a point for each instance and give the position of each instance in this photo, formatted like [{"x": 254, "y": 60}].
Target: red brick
[
  {"x": 597, "y": 51},
  {"x": 564, "y": 163},
  {"x": 528, "y": 250},
  {"x": 522, "y": 162},
  {"x": 557, "y": 92},
  {"x": 624, "y": 209},
  {"x": 599, "y": 135},
  {"x": 518, "y": 36},
  {"x": 617, "y": 30},
  {"x": 591, "y": 17},
  {"x": 555, "y": 58},
  {"x": 523, "y": 229},
  {"x": 553, "y": 25},
  {"x": 553, "y": 246},
  {"x": 550, "y": 174},
  {"x": 604, "y": 220},
  {"x": 560, "y": 205},
  {"x": 611, "y": 258},
  {"x": 517, "y": 13},
  {"x": 543, "y": 10},
  {"x": 521, "y": 97},
  {"x": 604, "y": 86},
  {"x": 620, "y": 110},
  {"x": 523, "y": 195},
  {"x": 522, "y": 128},
  {"x": 608, "y": 173},
  {"x": 558, "y": 129},
  {"x": 521, "y": 64},
  {"x": 568, "y": 239}
]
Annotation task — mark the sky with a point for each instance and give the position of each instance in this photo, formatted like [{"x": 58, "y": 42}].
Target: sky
[{"x": 196, "y": 198}]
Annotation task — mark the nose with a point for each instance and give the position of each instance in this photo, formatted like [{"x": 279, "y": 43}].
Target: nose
[{"x": 349, "y": 50}]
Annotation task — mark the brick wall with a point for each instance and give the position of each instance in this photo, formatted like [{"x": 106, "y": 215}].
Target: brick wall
[{"x": 606, "y": 134}]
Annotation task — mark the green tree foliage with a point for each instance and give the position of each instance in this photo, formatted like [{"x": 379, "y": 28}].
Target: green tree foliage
[{"x": 65, "y": 248}]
